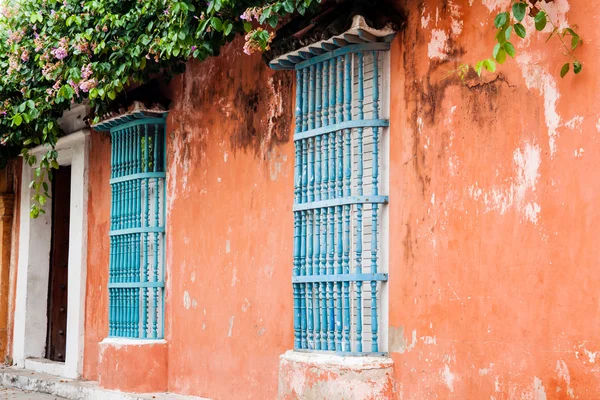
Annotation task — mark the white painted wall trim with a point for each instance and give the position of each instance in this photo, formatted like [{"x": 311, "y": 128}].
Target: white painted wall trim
[{"x": 34, "y": 259}]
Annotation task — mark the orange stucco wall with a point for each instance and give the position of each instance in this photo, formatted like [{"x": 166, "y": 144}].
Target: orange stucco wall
[
  {"x": 494, "y": 217},
  {"x": 494, "y": 210},
  {"x": 96, "y": 302},
  {"x": 230, "y": 170}
]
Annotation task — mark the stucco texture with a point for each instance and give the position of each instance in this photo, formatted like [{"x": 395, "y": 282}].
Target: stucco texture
[
  {"x": 229, "y": 200},
  {"x": 493, "y": 217},
  {"x": 494, "y": 209}
]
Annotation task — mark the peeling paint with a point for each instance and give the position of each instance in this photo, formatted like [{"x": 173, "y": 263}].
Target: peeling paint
[
  {"x": 536, "y": 77},
  {"x": 575, "y": 122},
  {"x": 438, "y": 46},
  {"x": 563, "y": 373},
  {"x": 187, "y": 301},
  {"x": 539, "y": 392},
  {"x": 448, "y": 377},
  {"x": 501, "y": 198},
  {"x": 493, "y": 5},
  {"x": 246, "y": 305},
  {"x": 230, "y": 332}
]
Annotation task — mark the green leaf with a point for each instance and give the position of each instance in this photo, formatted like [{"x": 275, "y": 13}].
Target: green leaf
[
  {"x": 17, "y": 119},
  {"x": 508, "y": 32},
  {"x": 519, "y": 9},
  {"x": 520, "y": 30},
  {"x": 247, "y": 26},
  {"x": 479, "y": 67},
  {"x": 564, "y": 70},
  {"x": 577, "y": 67},
  {"x": 540, "y": 20},
  {"x": 489, "y": 65},
  {"x": 500, "y": 20},
  {"x": 571, "y": 32},
  {"x": 288, "y": 6},
  {"x": 575, "y": 42},
  {"x": 112, "y": 95},
  {"x": 228, "y": 29},
  {"x": 497, "y": 48},
  {"x": 501, "y": 56},
  {"x": 509, "y": 48},
  {"x": 216, "y": 24},
  {"x": 273, "y": 21}
]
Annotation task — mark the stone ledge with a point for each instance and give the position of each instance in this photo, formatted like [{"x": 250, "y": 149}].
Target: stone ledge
[
  {"x": 73, "y": 389},
  {"x": 318, "y": 376}
]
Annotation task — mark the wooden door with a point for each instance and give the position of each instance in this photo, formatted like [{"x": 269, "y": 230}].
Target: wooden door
[{"x": 56, "y": 341}]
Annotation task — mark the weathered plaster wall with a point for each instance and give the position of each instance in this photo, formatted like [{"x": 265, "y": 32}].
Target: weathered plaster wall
[
  {"x": 494, "y": 210},
  {"x": 229, "y": 230},
  {"x": 96, "y": 304},
  {"x": 493, "y": 217},
  {"x": 229, "y": 237}
]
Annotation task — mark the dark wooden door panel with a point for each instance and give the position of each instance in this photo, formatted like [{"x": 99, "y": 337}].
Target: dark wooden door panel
[{"x": 56, "y": 342}]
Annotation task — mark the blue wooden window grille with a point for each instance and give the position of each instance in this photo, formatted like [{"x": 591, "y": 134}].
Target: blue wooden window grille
[
  {"x": 137, "y": 226},
  {"x": 337, "y": 269}
]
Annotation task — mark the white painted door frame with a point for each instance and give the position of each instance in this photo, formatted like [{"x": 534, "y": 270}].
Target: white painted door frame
[{"x": 30, "y": 325}]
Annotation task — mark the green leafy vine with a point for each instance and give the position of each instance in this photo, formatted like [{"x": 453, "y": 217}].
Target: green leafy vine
[
  {"x": 56, "y": 53},
  {"x": 509, "y": 22}
]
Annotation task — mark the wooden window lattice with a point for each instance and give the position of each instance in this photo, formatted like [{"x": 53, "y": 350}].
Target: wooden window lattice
[
  {"x": 137, "y": 229},
  {"x": 337, "y": 270}
]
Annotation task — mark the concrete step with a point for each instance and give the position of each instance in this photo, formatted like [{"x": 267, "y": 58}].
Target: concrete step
[{"x": 72, "y": 389}]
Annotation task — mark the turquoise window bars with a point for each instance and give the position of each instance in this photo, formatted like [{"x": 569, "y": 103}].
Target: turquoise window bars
[
  {"x": 137, "y": 225},
  {"x": 338, "y": 271}
]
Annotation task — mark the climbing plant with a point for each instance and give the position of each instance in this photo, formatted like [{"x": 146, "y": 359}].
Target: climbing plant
[
  {"x": 510, "y": 25},
  {"x": 59, "y": 52}
]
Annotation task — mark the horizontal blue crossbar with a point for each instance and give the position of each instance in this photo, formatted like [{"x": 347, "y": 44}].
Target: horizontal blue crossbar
[
  {"x": 148, "y": 229},
  {"x": 340, "y": 278},
  {"x": 355, "y": 48},
  {"x": 358, "y": 123},
  {"x": 342, "y": 201},
  {"x": 143, "y": 175},
  {"x": 343, "y": 353},
  {"x": 113, "y": 285}
]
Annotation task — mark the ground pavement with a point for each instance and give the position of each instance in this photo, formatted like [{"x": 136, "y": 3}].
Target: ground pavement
[{"x": 18, "y": 394}]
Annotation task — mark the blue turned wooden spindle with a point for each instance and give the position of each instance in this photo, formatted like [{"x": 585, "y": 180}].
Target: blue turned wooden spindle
[
  {"x": 156, "y": 224},
  {"x": 113, "y": 159},
  {"x": 146, "y": 224},
  {"x": 347, "y": 193},
  {"x": 359, "y": 206},
  {"x": 136, "y": 312},
  {"x": 297, "y": 200},
  {"x": 339, "y": 193},
  {"x": 303, "y": 342},
  {"x": 317, "y": 211},
  {"x": 325, "y": 179},
  {"x": 331, "y": 210},
  {"x": 111, "y": 309},
  {"x": 374, "y": 239},
  {"x": 309, "y": 271},
  {"x": 309, "y": 214},
  {"x": 324, "y": 196},
  {"x": 118, "y": 313}
]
